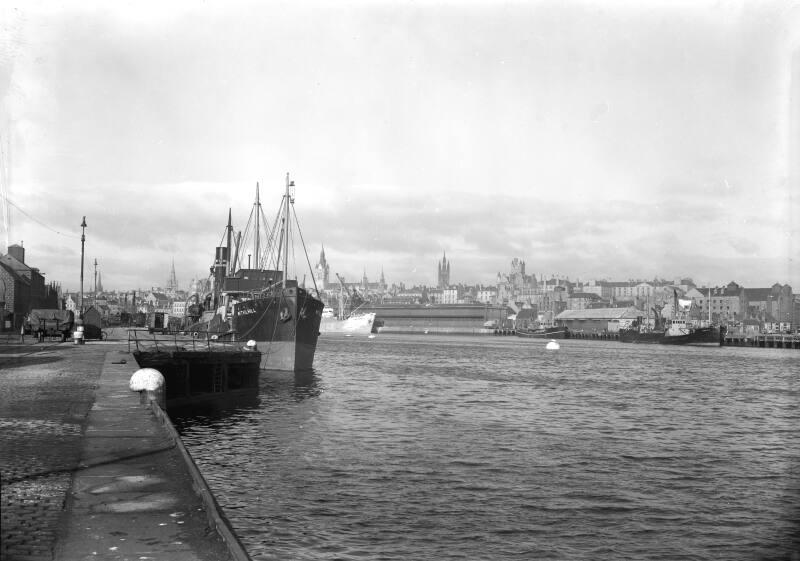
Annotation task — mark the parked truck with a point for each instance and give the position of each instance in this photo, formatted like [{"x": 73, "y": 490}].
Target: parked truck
[{"x": 50, "y": 323}]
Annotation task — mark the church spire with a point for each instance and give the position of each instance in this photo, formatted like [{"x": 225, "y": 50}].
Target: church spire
[{"x": 172, "y": 283}]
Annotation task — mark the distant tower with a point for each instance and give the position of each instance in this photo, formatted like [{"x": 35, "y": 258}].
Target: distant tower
[
  {"x": 443, "y": 276},
  {"x": 172, "y": 283},
  {"x": 364, "y": 281},
  {"x": 322, "y": 271},
  {"x": 100, "y": 281},
  {"x": 383, "y": 280}
]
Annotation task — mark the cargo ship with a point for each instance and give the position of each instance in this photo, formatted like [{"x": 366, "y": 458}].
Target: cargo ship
[
  {"x": 684, "y": 332},
  {"x": 350, "y": 319},
  {"x": 357, "y": 323},
  {"x": 261, "y": 304},
  {"x": 444, "y": 319},
  {"x": 677, "y": 331}
]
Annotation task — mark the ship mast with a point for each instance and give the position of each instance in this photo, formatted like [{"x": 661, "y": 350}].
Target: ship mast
[
  {"x": 286, "y": 230},
  {"x": 230, "y": 265},
  {"x": 257, "y": 237}
]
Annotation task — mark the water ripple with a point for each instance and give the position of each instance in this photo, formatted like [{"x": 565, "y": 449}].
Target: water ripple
[{"x": 491, "y": 448}]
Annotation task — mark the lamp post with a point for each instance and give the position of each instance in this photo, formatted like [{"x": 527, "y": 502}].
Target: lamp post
[
  {"x": 83, "y": 239},
  {"x": 3, "y": 307}
]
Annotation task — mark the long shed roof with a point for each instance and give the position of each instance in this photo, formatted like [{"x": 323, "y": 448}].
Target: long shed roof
[{"x": 600, "y": 313}]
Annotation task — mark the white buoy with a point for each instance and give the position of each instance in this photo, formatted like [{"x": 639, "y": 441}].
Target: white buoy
[{"x": 553, "y": 345}]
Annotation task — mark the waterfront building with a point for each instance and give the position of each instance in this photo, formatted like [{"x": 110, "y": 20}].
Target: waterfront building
[
  {"x": 621, "y": 291},
  {"x": 178, "y": 308},
  {"x": 601, "y": 288},
  {"x": 486, "y": 295},
  {"x": 581, "y": 300},
  {"x": 726, "y": 304},
  {"x": 796, "y": 312},
  {"x": 406, "y": 296},
  {"x": 553, "y": 300},
  {"x": 774, "y": 304},
  {"x": 22, "y": 289},
  {"x": 665, "y": 294},
  {"x": 451, "y": 295},
  {"x": 156, "y": 301},
  {"x": 644, "y": 291}
]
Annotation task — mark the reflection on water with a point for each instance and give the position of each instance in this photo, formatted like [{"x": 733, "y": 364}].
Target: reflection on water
[
  {"x": 273, "y": 384},
  {"x": 215, "y": 408},
  {"x": 495, "y": 448},
  {"x": 299, "y": 385}
]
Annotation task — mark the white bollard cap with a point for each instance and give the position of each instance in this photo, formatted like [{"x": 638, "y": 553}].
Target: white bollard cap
[{"x": 146, "y": 379}]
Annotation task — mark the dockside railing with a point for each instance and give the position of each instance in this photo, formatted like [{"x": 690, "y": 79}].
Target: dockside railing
[{"x": 145, "y": 340}]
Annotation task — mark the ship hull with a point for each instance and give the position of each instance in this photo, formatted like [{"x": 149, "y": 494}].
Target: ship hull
[
  {"x": 285, "y": 326},
  {"x": 626, "y": 336},
  {"x": 697, "y": 336},
  {"x": 442, "y": 319},
  {"x": 549, "y": 333}
]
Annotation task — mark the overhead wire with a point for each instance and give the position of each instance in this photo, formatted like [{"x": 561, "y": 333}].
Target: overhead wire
[{"x": 10, "y": 202}]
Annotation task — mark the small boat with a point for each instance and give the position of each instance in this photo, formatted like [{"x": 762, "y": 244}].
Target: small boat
[
  {"x": 543, "y": 332},
  {"x": 552, "y": 345}
]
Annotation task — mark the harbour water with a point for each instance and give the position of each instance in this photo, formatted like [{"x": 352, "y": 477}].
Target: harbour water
[{"x": 420, "y": 447}]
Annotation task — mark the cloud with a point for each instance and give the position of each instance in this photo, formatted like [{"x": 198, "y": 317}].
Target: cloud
[{"x": 588, "y": 140}]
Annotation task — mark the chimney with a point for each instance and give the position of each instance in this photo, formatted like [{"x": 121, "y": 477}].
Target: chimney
[{"x": 17, "y": 252}]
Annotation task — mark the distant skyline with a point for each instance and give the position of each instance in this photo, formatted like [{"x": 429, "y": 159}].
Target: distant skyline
[{"x": 590, "y": 139}]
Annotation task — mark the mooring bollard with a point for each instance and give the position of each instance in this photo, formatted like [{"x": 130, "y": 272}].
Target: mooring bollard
[
  {"x": 78, "y": 335},
  {"x": 149, "y": 382}
]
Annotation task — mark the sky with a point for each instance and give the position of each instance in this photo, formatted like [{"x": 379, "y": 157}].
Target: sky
[{"x": 593, "y": 140}]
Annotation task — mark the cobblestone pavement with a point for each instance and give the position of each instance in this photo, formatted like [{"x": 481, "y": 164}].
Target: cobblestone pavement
[{"x": 46, "y": 391}]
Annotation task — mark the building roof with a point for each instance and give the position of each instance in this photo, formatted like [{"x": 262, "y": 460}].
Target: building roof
[
  {"x": 757, "y": 294},
  {"x": 585, "y": 295},
  {"x": 16, "y": 265},
  {"x": 14, "y": 273},
  {"x": 599, "y": 313}
]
